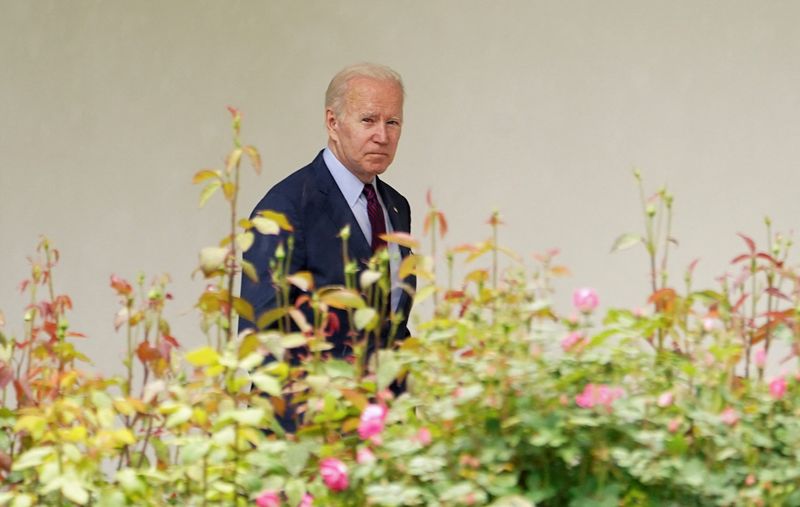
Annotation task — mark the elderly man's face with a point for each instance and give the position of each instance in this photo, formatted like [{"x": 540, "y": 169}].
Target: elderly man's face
[{"x": 364, "y": 136}]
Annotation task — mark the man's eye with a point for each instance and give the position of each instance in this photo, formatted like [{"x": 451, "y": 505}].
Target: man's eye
[
  {"x": 367, "y": 120},
  {"x": 393, "y": 122}
]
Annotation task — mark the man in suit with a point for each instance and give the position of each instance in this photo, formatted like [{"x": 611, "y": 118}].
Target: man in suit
[{"x": 340, "y": 187}]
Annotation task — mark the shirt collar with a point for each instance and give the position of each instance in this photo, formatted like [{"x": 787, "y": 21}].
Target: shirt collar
[{"x": 350, "y": 186}]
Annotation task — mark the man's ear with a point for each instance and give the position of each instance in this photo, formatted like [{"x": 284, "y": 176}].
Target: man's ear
[{"x": 331, "y": 123}]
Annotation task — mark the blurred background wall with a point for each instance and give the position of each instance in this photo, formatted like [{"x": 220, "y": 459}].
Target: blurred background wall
[{"x": 537, "y": 109}]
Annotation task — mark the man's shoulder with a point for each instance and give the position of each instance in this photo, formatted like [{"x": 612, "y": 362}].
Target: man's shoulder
[{"x": 290, "y": 189}]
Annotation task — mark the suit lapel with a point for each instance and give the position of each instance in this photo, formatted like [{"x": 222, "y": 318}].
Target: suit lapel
[
  {"x": 400, "y": 222},
  {"x": 339, "y": 211}
]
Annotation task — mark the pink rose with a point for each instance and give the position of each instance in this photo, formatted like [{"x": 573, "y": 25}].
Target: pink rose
[
  {"x": 761, "y": 358},
  {"x": 372, "y": 421},
  {"x": 571, "y": 340},
  {"x": 334, "y": 474},
  {"x": 424, "y": 436},
  {"x": 665, "y": 399},
  {"x": 585, "y": 299},
  {"x": 268, "y": 498},
  {"x": 364, "y": 456},
  {"x": 598, "y": 395},
  {"x": 673, "y": 425},
  {"x": 307, "y": 501},
  {"x": 729, "y": 416},
  {"x": 711, "y": 323},
  {"x": 777, "y": 388}
]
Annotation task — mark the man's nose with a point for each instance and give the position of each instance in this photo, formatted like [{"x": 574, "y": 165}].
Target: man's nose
[{"x": 380, "y": 135}]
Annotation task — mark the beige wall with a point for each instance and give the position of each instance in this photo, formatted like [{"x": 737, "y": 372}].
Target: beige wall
[{"x": 539, "y": 109}]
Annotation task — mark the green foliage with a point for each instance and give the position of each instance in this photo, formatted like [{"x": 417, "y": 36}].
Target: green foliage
[{"x": 508, "y": 403}]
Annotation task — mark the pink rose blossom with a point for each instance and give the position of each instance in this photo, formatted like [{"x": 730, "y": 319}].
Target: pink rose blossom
[
  {"x": 750, "y": 480},
  {"x": 268, "y": 498},
  {"x": 598, "y": 395},
  {"x": 571, "y": 340},
  {"x": 307, "y": 501},
  {"x": 777, "y": 388},
  {"x": 665, "y": 399},
  {"x": 372, "y": 421},
  {"x": 760, "y": 358},
  {"x": 673, "y": 425},
  {"x": 334, "y": 474},
  {"x": 423, "y": 436},
  {"x": 711, "y": 323},
  {"x": 364, "y": 456},
  {"x": 729, "y": 416},
  {"x": 585, "y": 299}
]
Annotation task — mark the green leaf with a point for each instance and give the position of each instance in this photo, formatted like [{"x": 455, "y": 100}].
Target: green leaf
[
  {"x": 207, "y": 192},
  {"x": 249, "y": 416},
  {"x": 341, "y": 298},
  {"x": 75, "y": 492},
  {"x": 204, "y": 356},
  {"x": 212, "y": 259},
  {"x": 294, "y": 340},
  {"x": 388, "y": 369},
  {"x": 194, "y": 451},
  {"x": 244, "y": 240},
  {"x": 424, "y": 293},
  {"x": 296, "y": 457},
  {"x": 366, "y": 318},
  {"x": 131, "y": 483},
  {"x": 249, "y": 270},
  {"x": 244, "y": 309},
  {"x": 626, "y": 241},
  {"x": 295, "y": 489},
  {"x": 266, "y": 226},
  {"x": 267, "y": 383},
  {"x": 270, "y": 316},
  {"x": 180, "y": 416},
  {"x": 205, "y": 174},
  {"x": 32, "y": 458}
]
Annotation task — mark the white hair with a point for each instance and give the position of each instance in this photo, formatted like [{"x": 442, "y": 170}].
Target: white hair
[{"x": 337, "y": 89}]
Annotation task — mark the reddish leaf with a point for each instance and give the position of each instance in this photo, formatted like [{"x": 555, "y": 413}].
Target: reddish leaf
[
  {"x": 24, "y": 285},
  {"x": 62, "y": 303},
  {"x": 780, "y": 316},
  {"x": 750, "y": 243},
  {"x": 773, "y": 260},
  {"x": 333, "y": 324},
  {"x": 442, "y": 224},
  {"x": 146, "y": 352},
  {"x": 24, "y": 393},
  {"x": 762, "y": 332},
  {"x": 740, "y": 258},
  {"x": 663, "y": 299},
  {"x": 429, "y": 198},
  {"x": 234, "y": 112},
  {"x": 453, "y": 294},
  {"x": 172, "y": 341},
  {"x": 739, "y": 303},
  {"x": 692, "y": 265},
  {"x": 773, "y": 291},
  {"x": 6, "y": 375},
  {"x": 75, "y": 334},
  {"x": 495, "y": 219},
  {"x": 5, "y": 462},
  {"x": 50, "y": 328},
  {"x": 120, "y": 285}
]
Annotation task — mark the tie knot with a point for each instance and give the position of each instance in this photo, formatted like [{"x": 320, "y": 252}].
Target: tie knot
[{"x": 369, "y": 191}]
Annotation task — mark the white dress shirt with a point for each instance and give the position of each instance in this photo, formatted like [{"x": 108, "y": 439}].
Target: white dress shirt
[{"x": 352, "y": 189}]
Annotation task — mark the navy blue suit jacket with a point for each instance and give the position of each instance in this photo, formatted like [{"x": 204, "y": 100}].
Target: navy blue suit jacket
[{"x": 318, "y": 211}]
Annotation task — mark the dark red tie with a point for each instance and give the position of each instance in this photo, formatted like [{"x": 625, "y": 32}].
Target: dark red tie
[{"x": 376, "y": 221}]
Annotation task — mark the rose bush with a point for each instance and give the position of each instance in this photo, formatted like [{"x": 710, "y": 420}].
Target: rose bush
[{"x": 508, "y": 403}]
